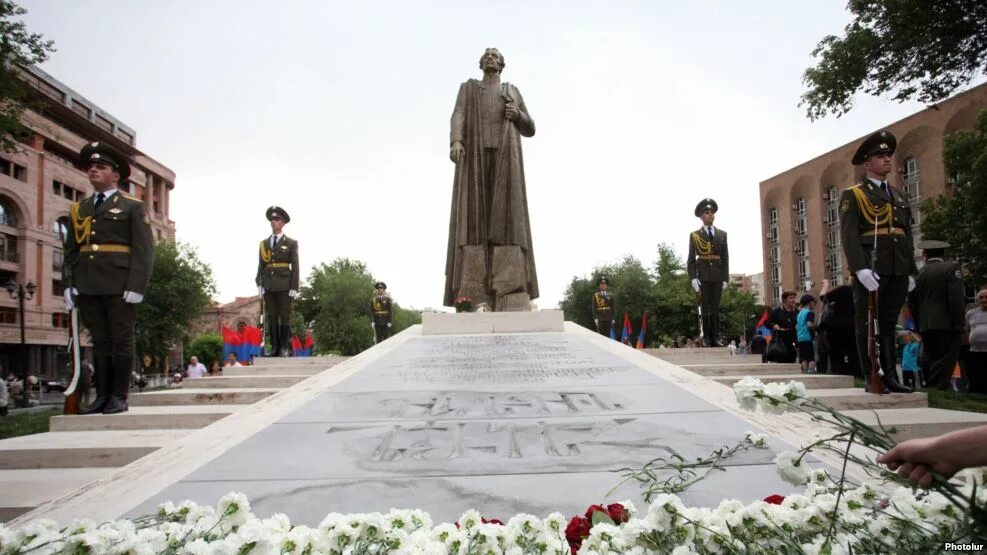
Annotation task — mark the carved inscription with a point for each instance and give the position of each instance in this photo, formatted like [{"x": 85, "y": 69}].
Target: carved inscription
[
  {"x": 485, "y": 441},
  {"x": 480, "y": 404}
]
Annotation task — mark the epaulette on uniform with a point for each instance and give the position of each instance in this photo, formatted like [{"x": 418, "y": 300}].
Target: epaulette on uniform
[{"x": 131, "y": 197}]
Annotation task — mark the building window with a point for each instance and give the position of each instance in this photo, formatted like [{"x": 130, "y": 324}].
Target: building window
[
  {"x": 803, "y": 270},
  {"x": 13, "y": 169},
  {"x": 7, "y": 215},
  {"x": 57, "y": 288},
  {"x": 8, "y": 248},
  {"x": 59, "y": 320},
  {"x": 67, "y": 191},
  {"x": 61, "y": 228},
  {"x": 8, "y": 315},
  {"x": 57, "y": 259},
  {"x": 773, "y": 216},
  {"x": 799, "y": 207}
]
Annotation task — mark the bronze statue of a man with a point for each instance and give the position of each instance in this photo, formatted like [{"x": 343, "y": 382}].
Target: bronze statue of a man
[{"x": 490, "y": 257}]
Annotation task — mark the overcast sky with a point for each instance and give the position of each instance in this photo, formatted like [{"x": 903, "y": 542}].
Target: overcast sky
[{"x": 339, "y": 112}]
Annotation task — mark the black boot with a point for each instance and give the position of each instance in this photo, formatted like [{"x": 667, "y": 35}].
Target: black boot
[
  {"x": 275, "y": 340},
  {"x": 102, "y": 366},
  {"x": 285, "y": 341},
  {"x": 122, "y": 366},
  {"x": 894, "y": 386}
]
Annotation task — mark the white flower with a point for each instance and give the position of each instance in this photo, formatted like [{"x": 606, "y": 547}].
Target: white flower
[
  {"x": 757, "y": 440},
  {"x": 791, "y": 469},
  {"x": 233, "y": 508},
  {"x": 747, "y": 391}
]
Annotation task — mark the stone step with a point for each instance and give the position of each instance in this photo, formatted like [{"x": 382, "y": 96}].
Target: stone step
[
  {"x": 857, "y": 398},
  {"x": 285, "y": 370},
  {"x": 247, "y": 381},
  {"x": 325, "y": 362},
  {"x": 24, "y": 489},
  {"x": 166, "y": 417},
  {"x": 742, "y": 369},
  {"x": 700, "y": 358},
  {"x": 811, "y": 381},
  {"x": 88, "y": 449},
  {"x": 192, "y": 396},
  {"x": 919, "y": 422}
]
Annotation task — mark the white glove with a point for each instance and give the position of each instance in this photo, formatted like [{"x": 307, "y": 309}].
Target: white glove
[
  {"x": 695, "y": 285},
  {"x": 596, "y": 322},
  {"x": 70, "y": 295},
  {"x": 725, "y": 284},
  {"x": 292, "y": 293},
  {"x": 260, "y": 290},
  {"x": 132, "y": 298},
  {"x": 911, "y": 283},
  {"x": 388, "y": 324},
  {"x": 372, "y": 325},
  {"x": 868, "y": 278}
]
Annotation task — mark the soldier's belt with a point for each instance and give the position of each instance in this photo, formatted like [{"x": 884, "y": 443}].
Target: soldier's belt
[
  {"x": 379, "y": 313},
  {"x": 709, "y": 257},
  {"x": 883, "y": 231},
  {"x": 104, "y": 248},
  {"x": 278, "y": 265}
]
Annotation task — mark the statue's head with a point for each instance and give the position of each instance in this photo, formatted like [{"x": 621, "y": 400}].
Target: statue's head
[{"x": 492, "y": 56}]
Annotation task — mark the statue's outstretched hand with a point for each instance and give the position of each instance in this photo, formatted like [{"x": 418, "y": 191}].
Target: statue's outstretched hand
[{"x": 456, "y": 152}]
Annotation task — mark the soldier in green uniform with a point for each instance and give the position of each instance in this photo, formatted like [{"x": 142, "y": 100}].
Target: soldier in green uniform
[
  {"x": 709, "y": 269},
  {"x": 277, "y": 280},
  {"x": 380, "y": 313},
  {"x": 938, "y": 305},
  {"x": 876, "y": 229},
  {"x": 602, "y": 308},
  {"x": 107, "y": 266}
]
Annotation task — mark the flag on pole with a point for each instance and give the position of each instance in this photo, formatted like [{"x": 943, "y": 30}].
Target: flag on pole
[
  {"x": 307, "y": 345},
  {"x": 765, "y": 330},
  {"x": 231, "y": 342},
  {"x": 644, "y": 327},
  {"x": 613, "y": 331},
  {"x": 907, "y": 320},
  {"x": 252, "y": 339},
  {"x": 625, "y": 337},
  {"x": 296, "y": 345}
]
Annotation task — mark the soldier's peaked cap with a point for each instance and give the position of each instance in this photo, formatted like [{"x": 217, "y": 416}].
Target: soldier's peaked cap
[
  {"x": 602, "y": 280},
  {"x": 278, "y": 212},
  {"x": 380, "y": 285},
  {"x": 706, "y": 204},
  {"x": 932, "y": 244},
  {"x": 882, "y": 141},
  {"x": 104, "y": 154}
]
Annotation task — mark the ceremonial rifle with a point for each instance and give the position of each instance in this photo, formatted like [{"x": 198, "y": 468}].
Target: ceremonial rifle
[
  {"x": 72, "y": 393},
  {"x": 263, "y": 327},
  {"x": 876, "y": 386},
  {"x": 699, "y": 308}
]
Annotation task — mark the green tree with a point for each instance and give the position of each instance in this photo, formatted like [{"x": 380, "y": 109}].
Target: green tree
[
  {"x": 18, "y": 48},
  {"x": 911, "y": 49},
  {"x": 208, "y": 347},
  {"x": 738, "y": 314},
  {"x": 335, "y": 301},
  {"x": 959, "y": 217},
  {"x": 181, "y": 286},
  {"x": 675, "y": 307},
  {"x": 629, "y": 283}
]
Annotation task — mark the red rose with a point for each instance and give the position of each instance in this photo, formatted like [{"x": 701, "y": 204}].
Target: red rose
[
  {"x": 774, "y": 499},
  {"x": 491, "y": 521},
  {"x": 577, "y": 529},
  {"x": 592, "y": 509},
  {"x": 618, "y": 513}
]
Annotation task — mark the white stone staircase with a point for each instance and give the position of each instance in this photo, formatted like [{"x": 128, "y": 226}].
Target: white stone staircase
[{"x": 77, "y": 450}]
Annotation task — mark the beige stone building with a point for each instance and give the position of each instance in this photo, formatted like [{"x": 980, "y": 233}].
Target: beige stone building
[
  {"x": 242, "y": 311},
  {"x": 799, "y": 212},
  {"x": 37, "y": 185}
]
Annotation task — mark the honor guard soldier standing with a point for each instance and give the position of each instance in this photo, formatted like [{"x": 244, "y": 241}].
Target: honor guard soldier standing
[
  {"x": 938, "y": 305},
  {"x": 603, "y": 309},
  {"x": 876, "y": 230},
  {"x": 277, "y": 280},
  {"x": 380, "y": 313},
  {"x": 107, "y": 266},
  {"x": 709, "y": 269}
]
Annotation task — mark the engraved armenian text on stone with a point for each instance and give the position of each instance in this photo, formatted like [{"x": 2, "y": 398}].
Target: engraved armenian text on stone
[{"x": 474, "y": 404}]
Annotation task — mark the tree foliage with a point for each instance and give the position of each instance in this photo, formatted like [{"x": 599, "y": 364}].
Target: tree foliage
[
  {"x": 911, "y": 49},
  {"x": 335, "y": 303},
  {"x": 664, "y": 293},
  {"x": 959, "y": 217},
  {"x": 18, "y": 48},
  {"x": 181, "y": 286},
  {"x": 208, "y": 348}
]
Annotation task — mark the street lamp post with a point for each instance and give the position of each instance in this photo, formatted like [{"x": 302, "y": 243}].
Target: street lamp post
[{"x": 22, "y": 293}]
